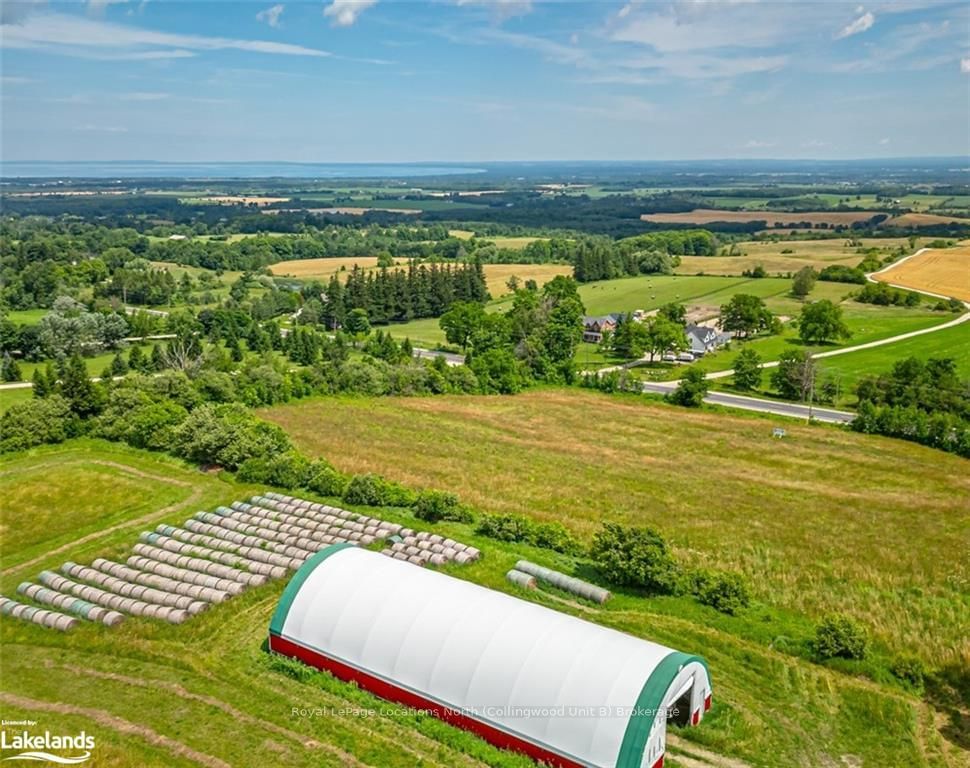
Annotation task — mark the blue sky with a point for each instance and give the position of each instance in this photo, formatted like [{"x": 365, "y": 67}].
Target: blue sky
[{"x": 467, "y": 80}]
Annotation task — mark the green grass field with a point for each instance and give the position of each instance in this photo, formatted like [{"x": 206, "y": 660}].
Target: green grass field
[
  {"x": 95, "y": 364},
  {"x": 862, "y": 540},
  {"x": 26, "y": 316},
  {"x": 9, "y": 397},
  {"x": 951, "y": 342},
  {"x": 205, "y": 693},
  {"x": 847, "y": 369},
  {"x": 865, "y": 321}
]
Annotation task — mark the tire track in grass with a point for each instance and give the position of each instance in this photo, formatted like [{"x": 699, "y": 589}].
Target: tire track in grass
[
  {"x": 118, "y": 724},
  {"x": 212, "y": 701},
  {"x": 151, "y": 517}
]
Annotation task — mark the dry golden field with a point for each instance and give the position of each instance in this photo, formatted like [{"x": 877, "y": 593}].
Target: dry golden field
[
  {"x": 925, "y": 219},
  {"x": 945, "y": 271},
  {"x": 771, "y": 255},
  {"x": 514, "y": 243},
  {"x": 321, "y": 269},
  {"x": 774, "y": 218},
  {"x": 497, "y": 275}
]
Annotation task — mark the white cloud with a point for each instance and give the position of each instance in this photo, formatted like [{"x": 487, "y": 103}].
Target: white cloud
[
  {"x": 502, "y": 9},
  {"x": 271, "y": 15},
  {"x": 965, "y": 66},
  {"x": 756, "y": 144},
  {"x": 884, "y": 142},
  {"x": 345, "y": 12},
  {"x": 815, "y": 144},
  {"x": 143, "y": 96},
  {"x": 13, "y": 80},
  {"x": 864, "y": 22},
  {"x": 101, "y": 128},
  {"x": 76, "y": 36}
]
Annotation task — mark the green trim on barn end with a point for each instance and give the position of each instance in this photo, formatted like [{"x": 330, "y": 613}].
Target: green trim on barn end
[
  {"x": 648, "y": 705},
  {"x": 293, "y": 588}
]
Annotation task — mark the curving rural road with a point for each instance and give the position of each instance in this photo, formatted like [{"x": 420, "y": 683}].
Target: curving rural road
[{"x": 761, "y": 405}]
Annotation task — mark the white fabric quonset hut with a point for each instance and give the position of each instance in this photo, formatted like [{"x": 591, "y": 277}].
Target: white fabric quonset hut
[{"x": 524, "y": 677}]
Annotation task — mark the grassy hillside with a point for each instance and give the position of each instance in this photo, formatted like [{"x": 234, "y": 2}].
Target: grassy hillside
[
  {"x": 205, "y": 693},
  {"x": 862, "y": 538}
]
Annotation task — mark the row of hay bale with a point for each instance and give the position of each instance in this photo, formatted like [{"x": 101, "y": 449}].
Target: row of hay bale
[
  {"x": 418, "y": 547},
  {"x": 177, "y": 572},
  {"x": 526, "y": 573},
  {"x": 34, "y": 615}
]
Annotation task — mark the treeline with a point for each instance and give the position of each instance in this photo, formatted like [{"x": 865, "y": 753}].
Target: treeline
[
  {"x": 925, "y": 402},
  {"x": 394, "y": 295},
  {"x": 655, "y": 253}
]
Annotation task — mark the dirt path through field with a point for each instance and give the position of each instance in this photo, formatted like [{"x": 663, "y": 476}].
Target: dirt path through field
[
  {"x": 693, "y": 756},
  {"x": 151, "y": 517}
]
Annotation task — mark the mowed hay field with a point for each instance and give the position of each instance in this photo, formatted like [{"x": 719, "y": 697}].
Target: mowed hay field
[
  {"x": 154, "y": 694},
  {"x": 785, "y": 256},
  {"x": 944, "y": 271},
  {"x": 515, "y": 243},
  {"x": 497, "y": 275},
  {"x": 321, "y": 269},
  {"x": 773, "y": 218},
  {"x": 823, "y": 520},
  {"x": 205, "y": 692},
  {"x": 785, "y": 219}
]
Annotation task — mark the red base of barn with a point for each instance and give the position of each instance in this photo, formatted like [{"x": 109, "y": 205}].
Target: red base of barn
[{"x": 394, "y": 693}]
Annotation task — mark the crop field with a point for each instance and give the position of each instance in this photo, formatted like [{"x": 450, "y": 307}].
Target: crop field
[
  {"x": 497, "y": 275},
  {"x": 786, "y": 256},
  {"x": 927, "y": 219},
  {"x": 205, "y": 692},
  {"x": 774, "y": 219},
  {"x": 321, "y": 269},
  {"x": 944, "y": 271}
]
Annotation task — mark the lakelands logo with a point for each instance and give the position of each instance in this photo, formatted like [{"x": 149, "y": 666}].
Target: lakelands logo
[{"x": 38, "y": 746}]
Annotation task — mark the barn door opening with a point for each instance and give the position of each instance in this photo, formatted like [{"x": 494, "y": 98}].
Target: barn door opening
[{"x": 679, "y": 710}]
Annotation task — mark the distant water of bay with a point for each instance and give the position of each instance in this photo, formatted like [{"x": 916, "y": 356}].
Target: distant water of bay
[{"x": 150, "y": 170}]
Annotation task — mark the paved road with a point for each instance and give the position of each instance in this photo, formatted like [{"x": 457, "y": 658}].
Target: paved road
[
  {"x": 774, "y": 407},
  {"x": 430, "y": 354}
]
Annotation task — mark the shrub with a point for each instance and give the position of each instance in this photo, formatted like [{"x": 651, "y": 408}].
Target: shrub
[
  {"x": 372, "y": 490},
  {"x": 48, "y": 420},
  {"x": 227, "y": 435},
  {"x": 557, "y": 537},
  {"x": 326, "y": 480},
  {"x": 838, "y": 636},
  {"x": 517, "y": 528},
  {"x": 910, "y": 670},
  {"x": 287, "y": 470},
  {"x": 691, "y": 390},
  {"x": 505, "y": 527},
  {"x": 433, "y": 506},
  {"x": 635, "y": 557},
  {"x": 134, "y": 417},
  {"x": 367, "y": 490},
  {"x": 724, "y": 592}
]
